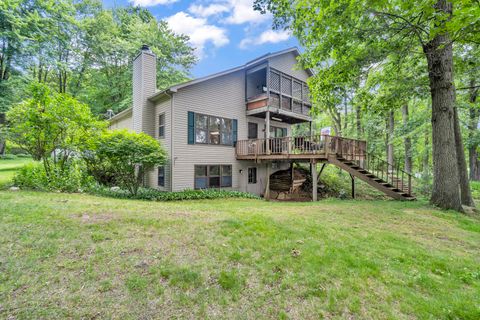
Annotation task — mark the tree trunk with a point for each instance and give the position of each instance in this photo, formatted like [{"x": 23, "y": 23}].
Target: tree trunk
[
  {"x": 474, "y": 164},
  {"x": 359, "y": 123},
  {"x": 426, "y": 155},
  {"x": 407, "y": 141},
  {"x": 465, "y": 194},
  {"x": 439, "y": 55},
  {"x": 391, "y": 127}
]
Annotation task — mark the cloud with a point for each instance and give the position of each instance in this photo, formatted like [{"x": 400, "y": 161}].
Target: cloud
[
  {"x": 199, "y": 31},
  {"x": 242, "y": 12},
  {"x": 231, "y": 11},
  {"x": 207, "y": 11},
  {"x": 269, "y": 36},
  {"x": 151, "y": 3}
]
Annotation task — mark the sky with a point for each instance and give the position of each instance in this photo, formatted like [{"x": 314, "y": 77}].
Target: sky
[{"x": 225, "y": 33}]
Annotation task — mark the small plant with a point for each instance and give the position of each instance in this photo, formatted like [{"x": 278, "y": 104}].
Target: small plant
[
  {"x": 136, "y": 283},
  {"x": 230, "y": 280}
]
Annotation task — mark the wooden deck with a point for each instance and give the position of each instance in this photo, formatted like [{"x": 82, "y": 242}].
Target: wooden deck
[
  {"x": 317, "y": 147},
  {"x": 348, "y": 154}
]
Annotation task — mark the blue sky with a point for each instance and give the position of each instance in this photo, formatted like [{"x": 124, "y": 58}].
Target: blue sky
[{"x": 226, "y": 33}]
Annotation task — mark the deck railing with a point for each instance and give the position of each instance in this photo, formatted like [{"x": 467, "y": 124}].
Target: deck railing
[
  {"x": 356, "y": 152},
  {"x": 352, "y": 150}
]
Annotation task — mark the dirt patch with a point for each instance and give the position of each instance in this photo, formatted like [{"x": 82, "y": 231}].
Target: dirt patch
[{"x": 93, "y": 218}]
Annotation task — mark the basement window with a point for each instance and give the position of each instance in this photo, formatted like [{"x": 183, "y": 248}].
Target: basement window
[
  {"x": 213, "y": 176},
  {"x": 161, "y": 176},
  {"x": 252, "y": 175}
]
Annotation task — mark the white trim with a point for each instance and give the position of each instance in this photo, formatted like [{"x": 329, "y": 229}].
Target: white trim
[{"x": 120, "y": 115}]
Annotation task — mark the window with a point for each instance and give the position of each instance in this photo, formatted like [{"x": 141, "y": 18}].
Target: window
[
  {"x": 213, "y": 130},
  {"x": 252, "y": 130},
  {"x": 161, "y": 125},
  {"x": 252, "y": 175},
  {"x": 161, "y": 176},
  {"x": 277, "y": 132},
  {"x": 201, "y": 128},
  {"x": 213, "y": 176}
]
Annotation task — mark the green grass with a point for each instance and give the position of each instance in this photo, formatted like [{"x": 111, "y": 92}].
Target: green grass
[
  {"x": 79, "y": 256},
  {"x": 9, "y": 167}
]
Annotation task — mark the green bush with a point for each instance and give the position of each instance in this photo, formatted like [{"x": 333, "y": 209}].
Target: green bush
[
  {"x": 13, "y": 148},
  {"x": 8, "y": 156},
  {"x": 156, "y": 195},
  {"x": 123, "y": 158},
  {"x": 71, "y": 179}
]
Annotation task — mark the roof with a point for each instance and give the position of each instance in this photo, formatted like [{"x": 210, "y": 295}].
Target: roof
[
  {"x": 255, "y": 61},
  {"x": 121, "y": 114}
]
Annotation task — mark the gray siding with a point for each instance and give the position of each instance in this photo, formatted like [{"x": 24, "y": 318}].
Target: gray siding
[
  {"x": 224, "y": 97},
  {"x": 144, "y": 86},
  {"x": 124, "y": 122},
  {"x": 287, "y": 63},
  {"x": 162, "y": 107}
]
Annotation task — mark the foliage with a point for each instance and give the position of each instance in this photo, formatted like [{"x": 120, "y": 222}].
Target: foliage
[
  {"x": 51, "y": 127},
  {"x": 156, "y": 195},
  {"x": 127, "y": 155},
  {"x": 84, "y": 49},
  {"x": 71, "y": 179}
]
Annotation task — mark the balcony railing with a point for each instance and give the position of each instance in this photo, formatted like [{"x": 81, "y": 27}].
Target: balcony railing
[
  {"x": 283, "y": 92},
  {"x": 307, "y": 145}
]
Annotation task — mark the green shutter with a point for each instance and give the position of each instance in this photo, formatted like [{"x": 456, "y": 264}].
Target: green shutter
[
  {"x": 191, "y": 127},
  {"x": 235, "y": 130}
]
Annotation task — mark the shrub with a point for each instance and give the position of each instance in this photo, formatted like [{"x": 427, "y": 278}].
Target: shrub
[
  {"x": 71, "y": 179},
  {"x": 124, "y": 156},
  {"x": 8, "y": 156},
  {"x": 157, "y": 195},
  {"x": 47, "y": 122}
]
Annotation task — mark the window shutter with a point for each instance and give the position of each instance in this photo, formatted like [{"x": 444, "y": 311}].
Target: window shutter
[
  {"x": 234, "y": 132},
  {"x": 191, "y": 127}
]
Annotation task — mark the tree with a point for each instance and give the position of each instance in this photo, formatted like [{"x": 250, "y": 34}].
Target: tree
[
  {"x": 343, "y": 38},
  {"x": 51, "y": 126},
  {"x": 129, "y": 156}
]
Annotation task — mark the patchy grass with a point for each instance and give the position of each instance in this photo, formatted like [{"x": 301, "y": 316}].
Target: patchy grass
[
  {"x": 80, "y": 256},
  {"x": 9, "y": 167}
]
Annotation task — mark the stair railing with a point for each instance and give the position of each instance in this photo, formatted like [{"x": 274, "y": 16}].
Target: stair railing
[{"x": 356, "y": 152}]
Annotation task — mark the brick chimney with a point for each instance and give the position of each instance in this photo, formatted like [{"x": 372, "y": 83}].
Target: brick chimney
[{"x": 144, "y": 86}]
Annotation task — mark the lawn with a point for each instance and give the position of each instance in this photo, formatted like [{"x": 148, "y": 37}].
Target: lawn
[
  {"x": 80, "y": 256},
  {"x": 8, "y": 168}
]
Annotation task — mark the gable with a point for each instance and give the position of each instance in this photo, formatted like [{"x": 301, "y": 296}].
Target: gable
[{"x": 287, "y": 63}]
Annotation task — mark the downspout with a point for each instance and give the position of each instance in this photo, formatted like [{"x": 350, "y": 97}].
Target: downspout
[{"x": 172, "y": 158}]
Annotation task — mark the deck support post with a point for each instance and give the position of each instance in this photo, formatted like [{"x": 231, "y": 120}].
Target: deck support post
[
  {"x": 267, "y": 181},
  {"x": 267, "y": 131},
  {"x": 313, "y": 170},
  {"x": 353, "y": 186}
]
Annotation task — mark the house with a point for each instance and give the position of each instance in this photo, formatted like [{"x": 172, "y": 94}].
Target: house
[{"x": 233, "y": 129}]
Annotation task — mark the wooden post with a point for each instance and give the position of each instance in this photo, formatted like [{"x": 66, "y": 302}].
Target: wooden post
[
  {"x": 313, "y": 170},
  {"x": 267, "y": 181},
  {"x": 353, "y": 186},
  {"x": 267, "y": 131}
]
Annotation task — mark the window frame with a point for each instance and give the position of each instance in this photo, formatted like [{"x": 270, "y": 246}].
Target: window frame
[
  {"x": 208, "y": 130},
  {"x": 253, "y": 181},
  {"x": 161, "y": 126},
  {"x": 220, "y": 176}
]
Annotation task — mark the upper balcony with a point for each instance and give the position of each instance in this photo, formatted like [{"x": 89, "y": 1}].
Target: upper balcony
[{"x": 285, "y": 97}]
